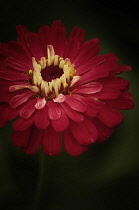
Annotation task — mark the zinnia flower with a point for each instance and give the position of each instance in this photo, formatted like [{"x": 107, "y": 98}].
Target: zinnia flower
[{"x": 60, "y": 90}]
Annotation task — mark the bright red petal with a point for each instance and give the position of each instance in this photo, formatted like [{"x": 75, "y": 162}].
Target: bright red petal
[
  {"x": 104, "y": 70},
  {"x": 62, "y": 123},
  {"x": 89, "y": 88},
  {"x": 28, "y": 109},
  {"x": 19, "y": 99},
  {"x": 76, "y": 103},
  {"x": 54, "y": 110},
  {"x": 74, "y": 115},
  {"x": 96, "y": 61}
]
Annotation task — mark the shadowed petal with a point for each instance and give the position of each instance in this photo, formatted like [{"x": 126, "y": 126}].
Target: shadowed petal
[
  {"x": 34, "y": 46},
  {"x": 20, "y": 138},
  {"x": 111, "y": 117},
  {"x": 85, "y": 132},
  {"x": 16, "y": 51},
  {"x": 34, "y": 140},
  {"x": 42, "y": 119},
  {"x": 125, "y": 101},
  {"x": 58, "y": 37},
  {"x": 74, "y": 43},
  {"x": 15, "y": 64},
  {"x": 23, "y": 124},
  {"x": 71, "y": 145},
  {"x": 45, "y": 37},
  {"x": 104, "y": 132},
  {"x": 88, "y": 50},
  {"x": 51, "y": 144}
]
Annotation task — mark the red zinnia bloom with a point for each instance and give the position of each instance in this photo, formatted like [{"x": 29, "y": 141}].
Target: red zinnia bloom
[{"x": 57, "y": 85}]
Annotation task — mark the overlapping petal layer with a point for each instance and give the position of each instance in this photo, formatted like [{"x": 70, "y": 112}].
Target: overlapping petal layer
[{"x": 79, "y": 108}]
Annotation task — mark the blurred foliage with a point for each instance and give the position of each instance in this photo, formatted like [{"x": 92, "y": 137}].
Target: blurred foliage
[{"x": 106, "y": 177}]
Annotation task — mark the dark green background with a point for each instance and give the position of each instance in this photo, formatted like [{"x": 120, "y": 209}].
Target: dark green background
[{"x": 107, "y": 176}]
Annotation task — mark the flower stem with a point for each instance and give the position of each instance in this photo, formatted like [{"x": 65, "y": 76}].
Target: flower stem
[{"x": 39, "y": 186}]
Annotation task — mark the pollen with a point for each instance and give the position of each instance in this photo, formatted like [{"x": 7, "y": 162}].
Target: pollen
[{"x": 52, "y": 75}]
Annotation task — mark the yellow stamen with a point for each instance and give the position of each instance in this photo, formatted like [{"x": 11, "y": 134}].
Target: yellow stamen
[{"x": 55, "y": 87}]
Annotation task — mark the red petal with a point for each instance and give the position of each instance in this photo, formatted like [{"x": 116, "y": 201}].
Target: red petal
[
  {"x": 51, "y": 144},
  {"x": 58, "y": 37},
  {"x": 111, "y": 117},
  {"x": 22, "y": 37},
  {"x": 62, "y": 123},
  {"x": 3, "y": 122},
  {"x": 74, "y": 115},
  {"x": 12, "y": 75},
  {"x": 54, "y": 110},
  {"x": 3, "y": 107},
  {"x": 42, "y": 120},
  {"x": 71, "y": 145},
  {"x": 89, "y": 88},
  {"x": 16, "y": 51},
  {"x": 74, "y": 43},
  {"x": 103, "y": 131},
  {"x": 20, "y": 138},
  {"x": 21, "y": 124},
  {"x": 123, "y": 68},
  {"x": 6, "y": 96},
  {"x": 85, "y": 132},
  {"x": 15, "y": 64},
  {"x": 34, "y": 140},
  {"x": 28, "y": 109},
  {"x": 19, "y": 99},
  {"x": 96, "y": 61},
  {"x": 40, "y": 103},
  {"x": 114, "y": 82},
  {"x": 107, "y": 93},
  {"x": 125, "y": 101},
  {"x": 44, "y": 36},
  {"x": 88, "y": 50},
  {"x": 78, "y": 34},
  {"x": 104, "y": 70},
  {"x": 34, "y": 46},
  {"x": 76, "y": 103},
  {"x": 10, "y": 114},
  {"x": 93, "y": 106}
]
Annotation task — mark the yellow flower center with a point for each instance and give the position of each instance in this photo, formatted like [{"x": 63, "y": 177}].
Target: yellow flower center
[{"x": 52, "y": 76}]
